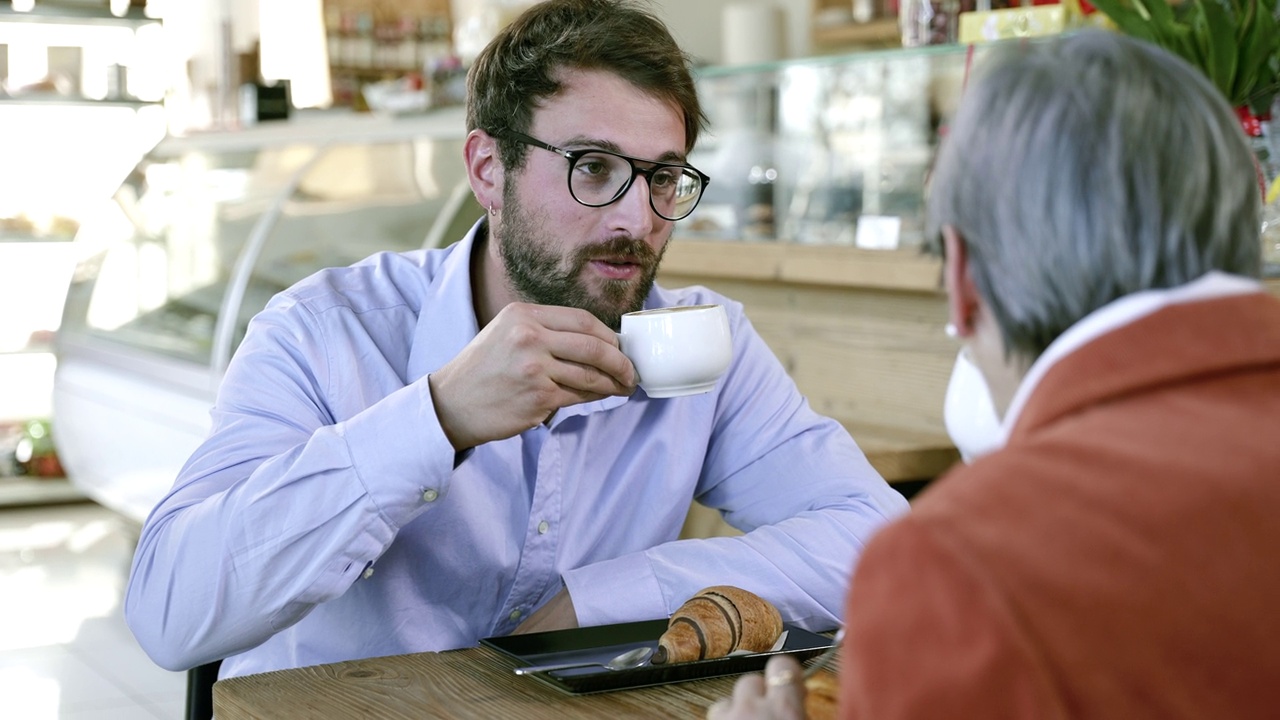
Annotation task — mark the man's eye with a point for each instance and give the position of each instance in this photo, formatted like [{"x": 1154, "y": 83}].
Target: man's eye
[
  {"x": 590, "y": 165},
  {"x": 665, "y": 178}
]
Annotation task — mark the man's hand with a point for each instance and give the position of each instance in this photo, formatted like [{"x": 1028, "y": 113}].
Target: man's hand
[
  {"x": 527, "y": 363},
  {"x": 557, "y": 614},
  {"x": 777, "y": 695}
]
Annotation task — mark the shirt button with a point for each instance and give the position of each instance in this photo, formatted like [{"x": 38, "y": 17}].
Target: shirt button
[
  {"x": 368, "y": 572},
  {"x": 515, "y": 615},
  {"x": 430, "y": 495},
  {"x": 543, "y": 527}
]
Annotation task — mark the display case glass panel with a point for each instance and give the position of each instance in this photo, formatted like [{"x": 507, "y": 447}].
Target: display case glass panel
[
  {"x": 358, "y": 199},
  {"x": 165, "y": 248}
]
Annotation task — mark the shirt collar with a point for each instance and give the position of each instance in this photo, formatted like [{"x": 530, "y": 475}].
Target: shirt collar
[{"x": 447, "y": 318}]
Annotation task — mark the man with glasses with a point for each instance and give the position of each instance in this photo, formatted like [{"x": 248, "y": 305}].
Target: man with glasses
[{"x": 428, "y": 448}]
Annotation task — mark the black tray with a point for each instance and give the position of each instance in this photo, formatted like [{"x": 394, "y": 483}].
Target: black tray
[{"x": 603, "y": 642}]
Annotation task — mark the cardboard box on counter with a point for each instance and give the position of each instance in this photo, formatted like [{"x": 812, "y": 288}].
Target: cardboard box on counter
[
  {"x": 989, "y": 25},
  {"x": 1034, "y": 21}
]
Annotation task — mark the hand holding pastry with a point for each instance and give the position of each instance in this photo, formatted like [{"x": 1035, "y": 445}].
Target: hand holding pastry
[{"x": 777, "y": 695}]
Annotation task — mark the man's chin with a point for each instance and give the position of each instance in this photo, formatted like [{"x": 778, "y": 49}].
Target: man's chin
[{"x": 610, "y": 310}]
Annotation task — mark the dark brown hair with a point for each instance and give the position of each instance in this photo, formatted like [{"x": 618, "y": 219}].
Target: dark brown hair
[{"x": 519, "y": 67}]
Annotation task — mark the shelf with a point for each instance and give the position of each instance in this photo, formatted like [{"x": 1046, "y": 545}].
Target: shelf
[
  {"x": 45, "y": 99},
  {"x": 24, "y": 237},
  {"x": 58, "y": 14},
  {"x": 880, "y": 32},
  {"x": 389, "y": 72}
]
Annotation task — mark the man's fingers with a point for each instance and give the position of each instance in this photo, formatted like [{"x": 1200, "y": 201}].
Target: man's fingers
[
  {"x": 591, "y": 352},
  {"x": 776, "y": 695},
  {"x": 781, "y": 671},
  {"x": 576, "y": 338},
  {"x": 566, "y": 319},
  {"x": 784, "y": 686},
  {"x": 585, "y": 380},
  {"x": 748, "y": 687}
]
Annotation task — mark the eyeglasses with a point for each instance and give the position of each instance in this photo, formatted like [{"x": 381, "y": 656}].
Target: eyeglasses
[{"x": 599, "y": 177}]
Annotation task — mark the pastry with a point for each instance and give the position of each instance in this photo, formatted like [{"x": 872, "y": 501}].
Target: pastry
[
  {"x": 717, "y": 621},
  {"x": 822, "y": 691}
]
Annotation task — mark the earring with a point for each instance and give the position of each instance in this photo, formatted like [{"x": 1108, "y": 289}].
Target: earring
[
  {"x": 492, "y": 211},
  {"x": 951, "y": 331}
]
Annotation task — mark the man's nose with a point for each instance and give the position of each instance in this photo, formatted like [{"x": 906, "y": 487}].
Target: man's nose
[{"x": 634, "y": 213}]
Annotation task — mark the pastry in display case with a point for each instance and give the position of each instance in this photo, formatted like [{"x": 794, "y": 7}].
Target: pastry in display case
[{"x": 200, "y": 235}]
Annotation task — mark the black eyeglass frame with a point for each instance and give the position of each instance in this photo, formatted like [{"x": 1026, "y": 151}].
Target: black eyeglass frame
[{"x": 574, "y": 155}]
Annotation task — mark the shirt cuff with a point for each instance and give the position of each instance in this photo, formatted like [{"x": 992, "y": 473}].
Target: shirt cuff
[
  {"x": 400, "y": 453},
  {"x": 623, "y": 589}
]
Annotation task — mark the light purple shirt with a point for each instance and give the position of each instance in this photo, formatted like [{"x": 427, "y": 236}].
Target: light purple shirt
[{"x": 324, "y": 518}]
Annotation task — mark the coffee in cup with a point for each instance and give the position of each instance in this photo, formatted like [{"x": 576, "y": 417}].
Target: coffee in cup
[{"x": 681, "y": 350}]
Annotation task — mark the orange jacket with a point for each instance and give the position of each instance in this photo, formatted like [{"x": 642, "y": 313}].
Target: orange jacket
[{"x": 1119, "y": 558}]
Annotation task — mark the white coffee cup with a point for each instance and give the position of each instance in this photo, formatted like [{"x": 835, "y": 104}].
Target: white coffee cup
[{"x": 681, "y": 350}]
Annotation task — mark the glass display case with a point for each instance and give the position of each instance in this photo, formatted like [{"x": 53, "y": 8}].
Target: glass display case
[
  {"x": 829, "y": 150},
  {"x": 68, "y": 138},
  {"x": 203, "y": 232}
]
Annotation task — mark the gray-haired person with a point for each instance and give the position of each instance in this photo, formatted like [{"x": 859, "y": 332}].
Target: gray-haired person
[
  {"x": 429, "y": 448},
  {"x": 1113, "y": 552}
]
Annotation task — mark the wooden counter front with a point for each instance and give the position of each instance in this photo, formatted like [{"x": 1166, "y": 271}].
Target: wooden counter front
[{"x": 860, "y": 331}]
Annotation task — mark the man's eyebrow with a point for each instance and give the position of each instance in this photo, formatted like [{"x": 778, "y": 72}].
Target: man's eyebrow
[{"x": 580, "y": 141}]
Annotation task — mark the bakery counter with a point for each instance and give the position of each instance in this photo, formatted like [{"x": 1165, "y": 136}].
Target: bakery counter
[
  {"x": 910, "y": 270},
  {"x": 860, "y": 332}
]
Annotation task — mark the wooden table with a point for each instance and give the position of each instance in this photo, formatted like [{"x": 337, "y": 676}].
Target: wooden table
[
  {"x": 474, "y": 683},
  {"x": 902, "y": 455}
]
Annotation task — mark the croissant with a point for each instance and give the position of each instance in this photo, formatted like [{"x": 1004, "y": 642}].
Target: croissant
[
  {"x": 718, "y": 621},
  {"x": 822, "y": 697}
]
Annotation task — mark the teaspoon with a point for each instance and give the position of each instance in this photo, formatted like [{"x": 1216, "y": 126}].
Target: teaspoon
[{"x": 633, "y": 658}]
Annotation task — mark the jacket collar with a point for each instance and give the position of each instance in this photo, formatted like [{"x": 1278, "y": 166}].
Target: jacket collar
[{"x": 1167, "y": 346}]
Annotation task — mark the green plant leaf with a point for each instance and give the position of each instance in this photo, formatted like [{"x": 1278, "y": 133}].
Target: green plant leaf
[
  {"x": 1236, "y": 43},
  {"x": 1254, "y": 41},
  {"x": 1219, "y": 45},
  {"x": 1194, "y": 45},
  {"x": 1159, "y": 11},
  {"x": 1127, "y": 19},
  {"x": 1261, "y": 91}
]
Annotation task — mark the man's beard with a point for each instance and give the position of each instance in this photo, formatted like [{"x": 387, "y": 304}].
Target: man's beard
[{"x": 538, "y": 275}]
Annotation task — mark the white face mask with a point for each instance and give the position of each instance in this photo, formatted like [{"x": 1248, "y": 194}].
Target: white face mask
[{"x": 968, "y": 412}]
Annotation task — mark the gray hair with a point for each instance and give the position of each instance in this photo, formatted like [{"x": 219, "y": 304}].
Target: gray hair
[{"x": 1086, "y": 168}]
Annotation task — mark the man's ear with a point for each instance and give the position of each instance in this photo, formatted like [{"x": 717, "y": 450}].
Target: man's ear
[
  {"x": 962, "y": 292},
  {"x": 484, "y": 169}
]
